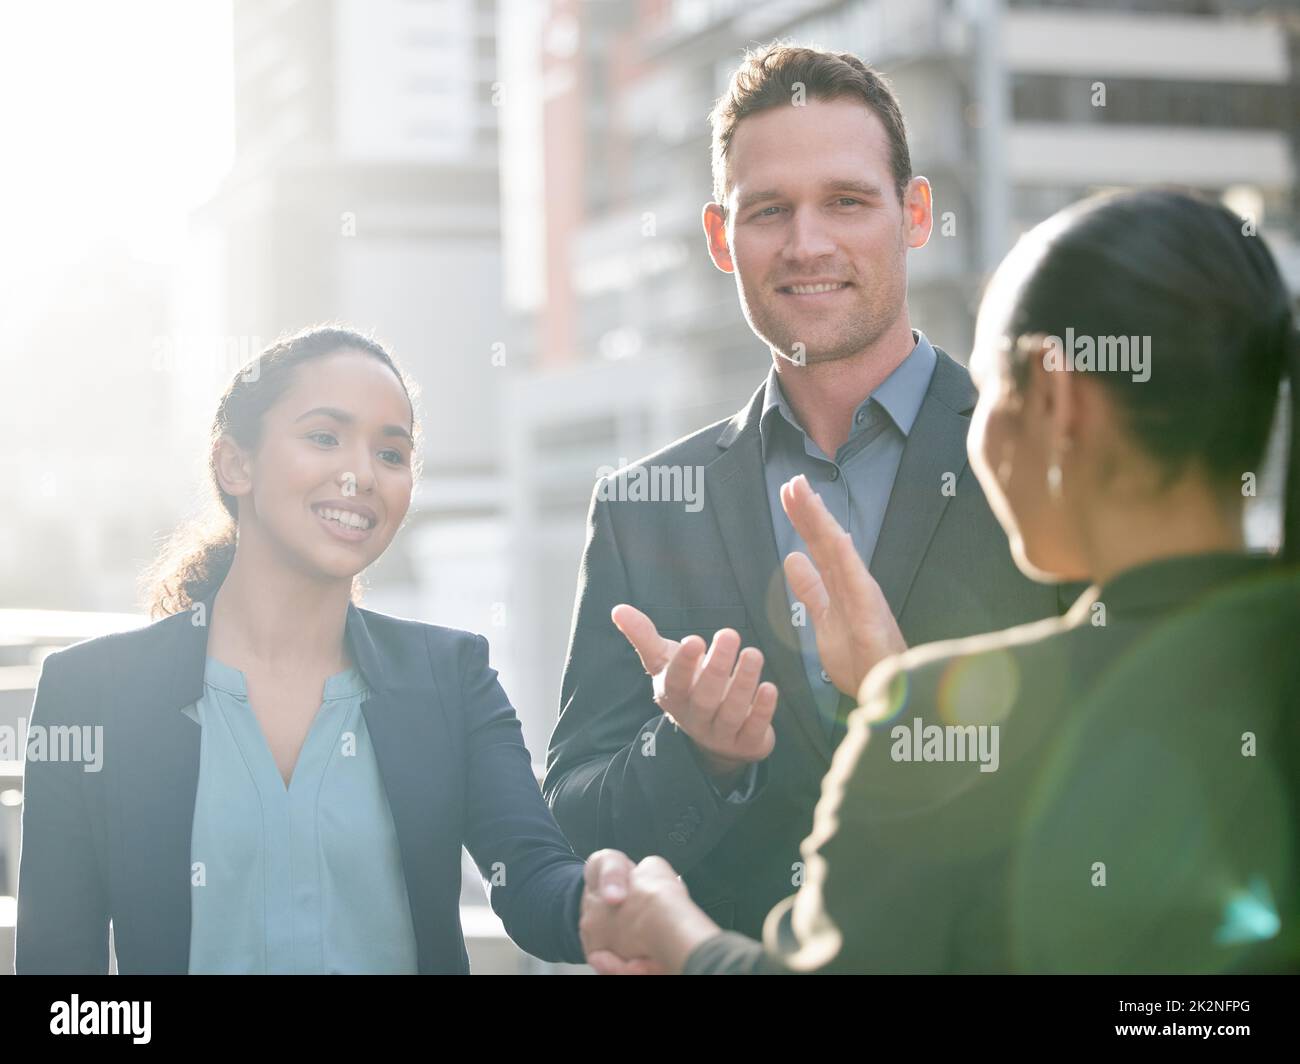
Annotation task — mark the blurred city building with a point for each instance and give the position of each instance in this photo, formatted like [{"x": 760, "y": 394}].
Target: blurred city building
[
  {"x": 85, "y": 425},
  {"x": 364, "y": 190}
]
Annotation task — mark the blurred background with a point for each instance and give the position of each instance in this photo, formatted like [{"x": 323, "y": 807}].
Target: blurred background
[{"x": 507, "y": 193}]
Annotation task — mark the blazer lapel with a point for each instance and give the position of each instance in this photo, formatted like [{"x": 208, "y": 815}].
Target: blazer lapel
[
  {"x": 736, "y": 489},
  {"x": 405, "y": 718},
  {"x": 157, "y": 755},
  {"x": 935, "y": 446}
]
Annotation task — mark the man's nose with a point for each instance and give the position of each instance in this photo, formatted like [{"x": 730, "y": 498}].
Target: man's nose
[{"x": 810, "y": 236}]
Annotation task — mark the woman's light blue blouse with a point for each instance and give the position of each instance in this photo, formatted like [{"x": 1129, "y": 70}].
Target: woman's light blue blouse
[{"x": 299, "y": 880}]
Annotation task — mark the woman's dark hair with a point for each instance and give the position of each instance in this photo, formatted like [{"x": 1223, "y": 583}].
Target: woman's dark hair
[
  {"x": 199, "y": 554},
  {"x": 1195, "y": 278}
]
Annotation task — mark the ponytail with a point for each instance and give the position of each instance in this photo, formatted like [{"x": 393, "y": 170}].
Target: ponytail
[{"x": 192, "y": 565}]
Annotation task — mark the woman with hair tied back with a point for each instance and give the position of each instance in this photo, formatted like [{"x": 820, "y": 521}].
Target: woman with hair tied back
[
  {"x": 288, "y": 779},
  {"x": 1114, "y": 790}
]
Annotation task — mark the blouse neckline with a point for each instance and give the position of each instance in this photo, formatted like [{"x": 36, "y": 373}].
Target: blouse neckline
[{"x": 227, "y": 678}]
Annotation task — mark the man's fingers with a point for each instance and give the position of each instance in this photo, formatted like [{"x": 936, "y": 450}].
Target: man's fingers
[
  {"x": 756, "y": 734},
  {"x": 682, "y": 670},
  {"x": 652, "y": 648},
  {"x": 740, "y": 692},
  {"x": 712, "y": 681}
]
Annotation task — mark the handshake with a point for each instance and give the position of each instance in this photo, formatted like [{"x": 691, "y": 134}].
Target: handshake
[{"x": 638, "y": 919}]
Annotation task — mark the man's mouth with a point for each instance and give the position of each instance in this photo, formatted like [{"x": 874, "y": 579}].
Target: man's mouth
[{"x": 820, "y": 288}]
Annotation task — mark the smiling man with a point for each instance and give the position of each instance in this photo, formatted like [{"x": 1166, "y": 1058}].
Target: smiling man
[{"x": 665, "y": 745}]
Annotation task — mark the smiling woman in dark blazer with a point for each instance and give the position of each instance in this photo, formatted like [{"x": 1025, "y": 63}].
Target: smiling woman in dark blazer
[{"x": 286, "y": 780}]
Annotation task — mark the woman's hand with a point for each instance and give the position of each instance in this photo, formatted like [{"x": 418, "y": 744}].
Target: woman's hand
[
  {"x": 639, "y": 921},
  {"x": 606, "y": 876},
  {"x": 851, "y": 619}
]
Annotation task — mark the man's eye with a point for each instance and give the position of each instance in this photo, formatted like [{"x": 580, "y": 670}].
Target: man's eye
[
  {"x": 848, "y": 201},
  {"x": 329, "y": 437},
  {"x": 764, "y": 212}
]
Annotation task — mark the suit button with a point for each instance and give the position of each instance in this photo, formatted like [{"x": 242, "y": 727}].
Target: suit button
[{"x": 826, "y": 676}]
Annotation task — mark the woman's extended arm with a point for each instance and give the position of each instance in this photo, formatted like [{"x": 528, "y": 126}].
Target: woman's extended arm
[{"x": 535, "y": 880}]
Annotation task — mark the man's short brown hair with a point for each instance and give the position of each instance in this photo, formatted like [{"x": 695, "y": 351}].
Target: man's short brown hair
[{"x": 768, "y": 77}]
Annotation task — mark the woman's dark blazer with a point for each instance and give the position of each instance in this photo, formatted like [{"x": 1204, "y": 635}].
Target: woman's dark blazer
[
  {"x": 1142, "y": 816},
  {"x": 115, "y": 844}
]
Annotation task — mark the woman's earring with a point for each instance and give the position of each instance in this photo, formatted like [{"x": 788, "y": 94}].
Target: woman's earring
[{"x": 1054, "y": 480}]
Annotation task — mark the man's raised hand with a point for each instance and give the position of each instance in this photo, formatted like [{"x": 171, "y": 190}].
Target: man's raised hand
[{"x": 715, "y": 698}]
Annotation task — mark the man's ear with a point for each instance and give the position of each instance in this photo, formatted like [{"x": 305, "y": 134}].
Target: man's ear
[
  {"x": 918, "y": 211},
  {"x": 715, "y": 232},
  {"x": 232, "y": 467}
]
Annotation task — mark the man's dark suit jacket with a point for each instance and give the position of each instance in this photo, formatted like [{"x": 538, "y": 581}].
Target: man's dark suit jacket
[
  {"x": 115, "y": 844},
  {"x": 1142, "y": 818},
  {"x": 620, "y": 774}
]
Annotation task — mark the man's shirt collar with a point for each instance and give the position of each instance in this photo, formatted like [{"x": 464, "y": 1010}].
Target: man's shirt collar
[{"x": 900, "y": 394}]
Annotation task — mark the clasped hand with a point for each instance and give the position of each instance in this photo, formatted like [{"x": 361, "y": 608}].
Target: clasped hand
[{"x": 638, "y": 919}]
